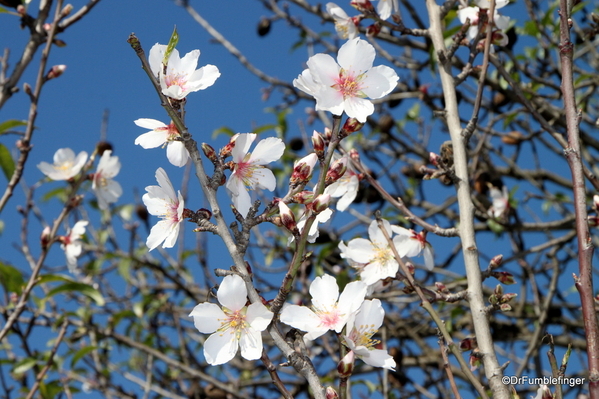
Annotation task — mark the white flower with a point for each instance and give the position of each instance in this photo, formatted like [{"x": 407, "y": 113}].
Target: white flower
[
  {"x": 345, "y": 188},
  {"x": 362, "y": 326},
  {"x": 501, "y": 201},
  {"x": 71, "y": 244},
  {"x": 163, "y": 135},
  {"x": 106, "y": 189},
  {"x": 163, "y": 202},
  {"x": 249, "y": 171},
  {"x": 181, "y": 77},
  {"x": 235, "y": 325},
  {"x": 344, "y": 24},
  {"x": 386, "y": 7},
  {"x": 374, "y": 257},
  {"x": 313, "y": 234},
  {"x": 65, "y": 166},
  {"x": 330, "y": 311},
  {"x": 343, "y": 87},
  {"x": 472, "y": 13},
  {"x": 410, "y": 244}
]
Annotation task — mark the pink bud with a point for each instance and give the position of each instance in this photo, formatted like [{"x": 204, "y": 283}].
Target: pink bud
[
  {"x": 362, "y": 5},
  {"x": 504, "y": 277},
  {"x": 321, "y": 203},
  {"x": 45, "y": 237},
  {"x": 318, "y": 144},
  {"x": 226, "y": 150},
  {"x": 596, "y": 202},
  {"x": 330, "y": 393},
  {"x": 373, "y": 30},
  {"x": 303, "y": 197},
  {"x": 209, "y": 152},
  {"x": 468, "y": 344},
  {"x": 345, "y": 367},
  {"x": 302, "y": 172},
  {"x": 56, "y": 71},
  {"x": 496, "y": 261},
  {"x": 287, "y": 217},
  {"x": 336, "y": 171},
  {"x": 434, "y": 159},
  {"x": 350, "y": 126},
  {"x": 505, "y": 307}
]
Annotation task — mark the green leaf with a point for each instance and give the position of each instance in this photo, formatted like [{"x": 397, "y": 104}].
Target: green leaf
[
  {"x": 6, "y": 162},
  {"x": 24, "y": 365},
  {"x": 81, "y": 353},
  {"x": 11, "y": 124},
  {"x": 172, "y": 43},
  {"x": 60, "y": 193},
  {"x": 84, "y": 289},
  {"x": 11, "y": 279},
  {"x": 223, "y": 130}
]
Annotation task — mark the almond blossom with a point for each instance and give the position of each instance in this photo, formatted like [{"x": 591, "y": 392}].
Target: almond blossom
[
  {"x": 330, "y": 311},
  {"x": 501, "y": 201},
  {"x": 343, "y": 86},
  {"x": 180, "y": 76},
  {"x": 249, "y": 171},
  {"x": 232, "y": 326},
  {"x": 163, "y": 135},
  {"x": 106, "y": 189},
  {"x": 162, "y": 201},
  {"x": 361, "y": 327},
  {"x": 374, "y": 257},
  {"x": 345, "y": 188},
  {"x": 472, "y": 14},
  {"x": 345, "y": 25},
  {"x": 413, "y": 244},
  {"x": 66, "y": 164},
  {"x": 71, "y": 244}
]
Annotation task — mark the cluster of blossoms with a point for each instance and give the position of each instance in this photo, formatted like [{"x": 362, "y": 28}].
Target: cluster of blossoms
[
  {"x": 67, "y": 166},
  {"x": 473, "y": 14}
]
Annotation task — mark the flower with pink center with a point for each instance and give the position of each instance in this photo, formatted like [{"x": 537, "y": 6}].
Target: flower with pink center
[
  {"x": 163, "y": 135},
  {"x": 330, "y": 311},
  {"x": 361, "y": 327},
  {"x": 345, "y": 188},
  {"x": 411, "y": 244},
  {"x": 106, "y": 189},
  {"x": 233, "y": 326},
  {"x": 66, "y": 164},
  {"x": 180, "y": 76},
  {"x": 343, "y": 86},
  {"x": 249, "y": 171},
  {"x": 71, "y": 244},
  {"x": 162, "y": 201}
]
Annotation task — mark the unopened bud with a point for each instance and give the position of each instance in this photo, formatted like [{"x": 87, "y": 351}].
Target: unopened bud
[
  {"x": 56, "y": 71},
  {"x": 330, "y": 393},
  {"x": 103, "y": 146},
  {"x": 328, "y": 134},
  {"x": 27, "y": 88},
  {"x": 468, "y": 344},
  {"x": 226, "y": 150},
  {"x": 302, "y": 171},
  {"x": 209, "y": 152},
  {"x": 303, "y": 197},
  {"x": 59, "y": 43},
  {"x": 596, "y": 202},
  {"x": 373, "y": 30},
  {"x": 345, "y": 367},
  {"x": 67, "y": 10},
  {"x": 362, "y": 5},
  {"x": 434, "y": 159},
  {"x": 47, "y": 26},
  {"x": 440, "y": 287},
  {"x": 321, "y": 203},
  {"x": 504, "y": 277},
  {"x": 498, "y": 290},
  {"x": 45, "y": 237},
  {"x": 475, "y": 359},
  {"x": 318, "y": 144},
  {"x": 505, "y": 307},
  {"x": 336, "y": 171},
  {"x": 496, "y": 261},
  {"x": 512, "y": 138},
  {"x": 350, "y": 126},
  {"x": 505, "y": 298},
  {"x": 287, "y": 217}
]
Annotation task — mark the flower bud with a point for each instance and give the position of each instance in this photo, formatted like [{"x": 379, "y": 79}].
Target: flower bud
[
  {"x": 505, "y": 307},
  {"x": 321, "y": 203},
  {"x": 302, "y": 172},
  {"x": 318, "y": 144},
  {"x": 434, "y": 159},
  {"x": 287, "y": 217},
  {"x": 67, "y": 10},
  {"x": 345, "y": 367},
  {"x": 45, "y": 237},
  {"x": 350, "y": 126},
  {"x": 336, "y": 171},
  {"x": 304, "y": 197},
  {"x": 468, "y": 344},
  {"x": 209, "y": 152},
  {"x": 496, "y": 261},
  {"x": 330, "y": 393},
  {"x": 362, "y": 5},
  {"x": 373, "y": 30},
  {"x": 504, "y": 277},
  {"x": 512, "y": 138},
  {"x": 226, "y": 150},
  {"x": 55, "y": 71},
  {"x": 328, "y": 134},
  {"x": 475, "y": 359},
  {"x": 440, "y": 287},
  {"x": 596, "y": 202}
]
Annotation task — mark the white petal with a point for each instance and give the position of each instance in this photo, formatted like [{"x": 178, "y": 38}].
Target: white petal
[
  {"x": 384, "y": 9},
  {"x": 177, "y": 153},
  {"x": 63, "y": 155},
  {"x": 360, "y": 250},
  {"x": 242, "y": 201},
  {"x": 258, "y": 316},
  {"x": 325, "y": 292},
  {"x": 242, "y": 146},
  {"x": 356, "y": 55},
  {"x": 331, "y": 100},
  {"x": 429, "y": 258},
  {"x": 268, "y": 150},
  {"x": 379, "y": 82},
  {"x": 220, "y": 347},
  {"x": 304, "y": 319},
  {"x": 251, "y": 344},
  {"x": 323, "y": 69},
  {"x": 165, "y": 184},
  {"x": 232, "y": 293},
  {"x": 160, "y": 231},
  {"x": 203, "y": 78},
  {"x": 206, "y": 317},
  {"x": 172, "y": 233},
  {"x": 151, "y": 139},
  {"x": 379, "y": 358},
  {"x": 147, "y": 123},
  {"x": 265, "y": 179},
  {"x": 371, "y": 314},
  {"x": 352, "y": 298},
  {"x": 155, "y": 58},
  {"x": 359, "y": 108},
  {"x": 306, "y": 83}
]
